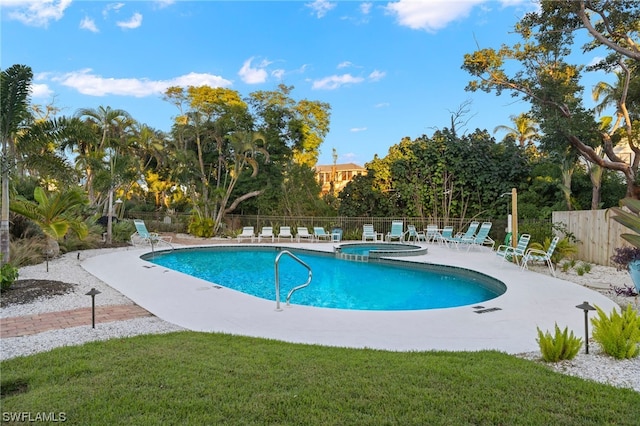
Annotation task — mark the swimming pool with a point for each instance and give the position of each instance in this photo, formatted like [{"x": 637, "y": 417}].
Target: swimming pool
[{"x": 336, "y": 283}]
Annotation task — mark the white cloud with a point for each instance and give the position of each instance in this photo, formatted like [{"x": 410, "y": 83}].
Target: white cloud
[
  {"x": 430, "y": 15},
  {"x": 335, "y": 81},
  {"x": 87, "y": 83},
  {"x": 251, "y": 75},
  {"x": 321, "y": 7},
  {"x": 345, "y": 64},
  {"x": 358, "y": 129},
  {"x": 36, "y": 13},
  {"x": 377, "y": 75},
  {"x": 278, "y": 74},
  {"x": 134, "y": 22},
  {"x": 365, "y": 8},
  {"x": 88, "y": 24},
  {"x": 382, "y": 105},
  {"x": 41, "y": 91},
  {"x": 111, "y": 6}
]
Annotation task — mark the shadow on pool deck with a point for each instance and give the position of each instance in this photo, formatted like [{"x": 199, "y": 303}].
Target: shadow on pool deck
[{"x": 532, "y": 300}]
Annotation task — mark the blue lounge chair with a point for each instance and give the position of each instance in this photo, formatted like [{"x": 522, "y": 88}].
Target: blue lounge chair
[
  {"x": 320, "y": 234},
  {"x": 397, "y": 231},
  {"x": 143, "y": 236},
  {"x": 481, "y": 238},
  {"x": 536, "y": 255},
  {"x": 467, "y": 236},
  {"x": 509, "y": 253},
  {"x": 446, "y": 234}
]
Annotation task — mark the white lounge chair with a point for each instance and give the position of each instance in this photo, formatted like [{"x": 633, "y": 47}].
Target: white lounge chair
[
  {"x": 536, "y": 255},
  {"x": 142, "y": 236},
  {"x": 432, "y": 233},
  {"x": 397, "y": 231},
  {"x": 368, "y": 233},
  {"x": 481, "y": 238},
  {"x": 413, "y": 233},
  {"x": 246, "y": 234},
  {"x": 320, "y": 234},
  {"x": 285, "y": 232},
  {"x": 303, "y": 233},
  {"x": 509, "y": 253},
  {"x": 266, "y": 232}
]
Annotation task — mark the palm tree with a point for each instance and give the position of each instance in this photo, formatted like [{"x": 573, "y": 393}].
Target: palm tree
[
  {"x": 110, "y": 123},
  {"x": 54, "y": 214},
  {"x": 15, "y": 83},
  {"x": 525, "y": 129}
]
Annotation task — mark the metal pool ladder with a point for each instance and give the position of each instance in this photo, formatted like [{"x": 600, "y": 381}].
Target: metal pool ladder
[{"x": 287, "y": 252}]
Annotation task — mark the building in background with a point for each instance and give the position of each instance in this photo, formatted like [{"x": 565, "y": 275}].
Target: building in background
[{"x": 334, "y": 177}]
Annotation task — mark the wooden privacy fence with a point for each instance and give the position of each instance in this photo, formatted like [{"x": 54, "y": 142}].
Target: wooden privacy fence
[{"x": 597, "y": 234}]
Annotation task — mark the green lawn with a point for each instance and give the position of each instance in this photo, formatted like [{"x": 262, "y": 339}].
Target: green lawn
[{"x": 210, "y": 379}]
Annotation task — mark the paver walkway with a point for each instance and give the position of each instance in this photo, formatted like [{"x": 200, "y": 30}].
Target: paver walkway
[{"x": 34, "y": 324}]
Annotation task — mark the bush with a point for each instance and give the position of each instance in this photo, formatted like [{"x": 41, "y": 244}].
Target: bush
[
  {"x": 201, "y": 226},
  {"x": 618, "y": 335},
  {"x": 563, "y": 345},
  {"x": 8, "y": 274}
]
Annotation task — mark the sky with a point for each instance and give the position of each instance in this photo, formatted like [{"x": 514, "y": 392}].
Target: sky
[{"x": 388, "y": 69}]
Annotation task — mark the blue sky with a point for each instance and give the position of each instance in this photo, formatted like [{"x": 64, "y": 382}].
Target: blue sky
[{"x": 388, "y": 69}]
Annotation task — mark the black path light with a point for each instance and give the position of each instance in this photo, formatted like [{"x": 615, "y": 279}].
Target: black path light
[
  {"x": 586, "y": 307},
  {"x": 93, "y": 293}
]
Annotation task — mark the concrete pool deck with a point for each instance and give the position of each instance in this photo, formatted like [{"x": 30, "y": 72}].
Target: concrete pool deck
[{"x": 532, "y": 300}]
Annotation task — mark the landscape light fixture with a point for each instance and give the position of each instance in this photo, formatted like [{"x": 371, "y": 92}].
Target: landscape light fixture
[
  {"x": 93, "y": 293},
  {"x": 586, "y": 307}
]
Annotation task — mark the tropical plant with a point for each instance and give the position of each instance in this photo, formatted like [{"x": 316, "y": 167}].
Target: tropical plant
[
  {"x": 625, "y": 255},
  {"x": 54, "y": 213},
  {"x": 630, "y": 219},
  {"x": 565, "y": 248},
  {"x": 8, "y": 274},
  {"x": 524, "y": 130},
  {"x": 618, "y": 334},
  {"x": 560, "y": 346},
  {"x": 15, "y": 86}
]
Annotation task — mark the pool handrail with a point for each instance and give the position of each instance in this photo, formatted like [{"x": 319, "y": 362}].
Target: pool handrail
[{"x": 277, "y": 261}]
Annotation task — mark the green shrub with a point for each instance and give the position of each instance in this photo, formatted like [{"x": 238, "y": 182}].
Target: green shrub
[
  {"x": 618, "y": 335},
  {"x": 201, "y": 226},
  {"x": 586, "y": 266},
  {"x": 8, "y": 274},
  {"x": 580, "y": 270},
  {"x": 563, "y": 345},
  {"x": 566, "y": 266}
]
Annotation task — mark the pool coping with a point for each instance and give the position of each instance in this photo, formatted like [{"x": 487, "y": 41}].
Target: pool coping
[{"x": 507, "y": 323}]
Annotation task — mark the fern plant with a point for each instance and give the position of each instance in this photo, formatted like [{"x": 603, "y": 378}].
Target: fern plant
[
  {"x": 618, "y": 334},
  {"x": 563, "y": 345}
]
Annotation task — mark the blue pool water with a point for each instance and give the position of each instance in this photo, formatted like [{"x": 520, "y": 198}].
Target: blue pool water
[
  {"x": 364, "y": 249},
  {"x": 336, "y": 283}
]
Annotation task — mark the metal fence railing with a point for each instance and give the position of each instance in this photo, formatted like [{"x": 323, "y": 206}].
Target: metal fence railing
[{"x": 351, "y": 226}]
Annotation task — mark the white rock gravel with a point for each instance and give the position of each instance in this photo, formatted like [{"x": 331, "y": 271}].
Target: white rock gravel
[{"x": 594, "y": 366}]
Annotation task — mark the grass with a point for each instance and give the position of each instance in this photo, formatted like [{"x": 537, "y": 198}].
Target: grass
[{"x": 204, "y": 378}]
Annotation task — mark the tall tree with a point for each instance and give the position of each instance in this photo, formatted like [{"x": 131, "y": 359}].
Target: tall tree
[
  {"x": 15, "y": 86},
  {"x": 551, "y": 84}
]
